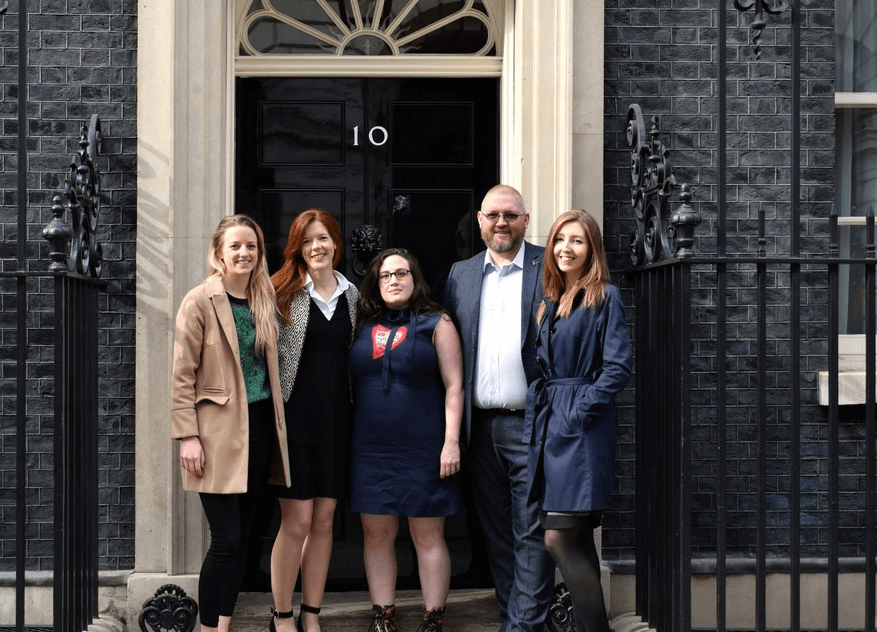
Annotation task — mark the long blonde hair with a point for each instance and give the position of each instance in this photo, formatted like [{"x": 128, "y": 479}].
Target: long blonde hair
[
  {"x": 260, "y": 291},
  {"x": 595, "y": 272}
]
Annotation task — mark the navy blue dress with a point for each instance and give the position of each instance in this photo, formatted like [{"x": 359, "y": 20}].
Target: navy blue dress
[{"x": 399, "y": 420}]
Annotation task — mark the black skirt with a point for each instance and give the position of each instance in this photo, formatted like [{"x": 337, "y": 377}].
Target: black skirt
[{"x": 566, "y": 520}]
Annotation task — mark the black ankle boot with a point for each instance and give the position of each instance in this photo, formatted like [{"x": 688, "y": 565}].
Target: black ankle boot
[
  {"x": 432, "y": 620},
  {"x": 383, "y": 619}
]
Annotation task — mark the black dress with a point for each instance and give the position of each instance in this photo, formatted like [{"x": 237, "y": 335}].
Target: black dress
[{"x": 318, "y": 410}]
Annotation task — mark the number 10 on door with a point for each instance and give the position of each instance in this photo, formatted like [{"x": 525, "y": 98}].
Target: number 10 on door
[{"x": 377, "y": 135}]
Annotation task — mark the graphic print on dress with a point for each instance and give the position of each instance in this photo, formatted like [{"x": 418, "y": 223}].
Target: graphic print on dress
[{"x": 380, "y": 334}]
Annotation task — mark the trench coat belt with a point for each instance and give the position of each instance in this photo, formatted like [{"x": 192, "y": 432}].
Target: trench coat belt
[{"x": 539, "y": 407}]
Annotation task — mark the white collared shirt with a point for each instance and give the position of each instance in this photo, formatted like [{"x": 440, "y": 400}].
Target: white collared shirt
[
  {"x": 327, "y": 307},
  {"x": 500, "y": 381}
]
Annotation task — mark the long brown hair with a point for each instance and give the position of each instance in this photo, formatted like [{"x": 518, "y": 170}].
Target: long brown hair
[
  {"x": 260, "y": 292},
  {"x": 595, "y": 272},
  {"x": 371, "y": 304},
  {"x": 290, "y": 278}
]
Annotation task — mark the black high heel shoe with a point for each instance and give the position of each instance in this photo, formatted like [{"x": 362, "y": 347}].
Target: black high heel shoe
[
  {"x": 277, "y": 615},
  {"x": 299, "y": 626}
]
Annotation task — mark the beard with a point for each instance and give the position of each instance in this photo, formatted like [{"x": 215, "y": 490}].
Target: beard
[
  {"x": 505, "y": 247},
  {"x": 502, "y": 246}
]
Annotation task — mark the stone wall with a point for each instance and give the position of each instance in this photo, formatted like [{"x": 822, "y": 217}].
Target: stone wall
[{"x": 82, "y": 60}]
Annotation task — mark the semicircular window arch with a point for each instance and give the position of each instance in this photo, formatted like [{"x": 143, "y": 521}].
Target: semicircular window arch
[{"x": 367, "y": 28}]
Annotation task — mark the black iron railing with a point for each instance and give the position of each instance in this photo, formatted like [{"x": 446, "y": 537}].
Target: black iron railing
[
  {"x": 70, "y": 322},
  {"x": 728, "y": 346},
  {"x": 57, "y": 326},
  {"x": 666, "y": 319},
  {"x": 76, "y": 461},
  {"x": 663, "y": 432},
  {"x": 684, "y": 319}
]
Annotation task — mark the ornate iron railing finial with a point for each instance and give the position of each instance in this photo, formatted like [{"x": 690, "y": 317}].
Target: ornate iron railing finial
[
  {"x": 58, "y": 234},
  {"x": 658, "y": 235},
  {"x": 81, "y": 195},
  {"x": 773, "y": 7}
]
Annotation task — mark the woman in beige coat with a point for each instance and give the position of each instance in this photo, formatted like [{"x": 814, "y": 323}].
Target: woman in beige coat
[{"x": 227, "y": 405}]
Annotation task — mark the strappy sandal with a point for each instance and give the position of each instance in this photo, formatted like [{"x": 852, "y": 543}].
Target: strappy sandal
[
  {"x": 299, "y": 626},
  {"x": 277, "y": 615}
]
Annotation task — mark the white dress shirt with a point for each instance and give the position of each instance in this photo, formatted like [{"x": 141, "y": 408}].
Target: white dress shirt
[
  {"x": 499, "y": 369},
  {"x": 327, "y": 307}
]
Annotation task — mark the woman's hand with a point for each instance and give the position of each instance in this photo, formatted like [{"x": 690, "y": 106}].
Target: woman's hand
[
  {"x": 192, "y": 455},
  {"x": 450, "y": 459}
]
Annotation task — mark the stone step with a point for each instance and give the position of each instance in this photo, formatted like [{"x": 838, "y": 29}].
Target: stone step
[{"x": 468, "y": 610}]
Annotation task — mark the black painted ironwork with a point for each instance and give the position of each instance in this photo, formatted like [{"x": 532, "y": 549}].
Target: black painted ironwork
[
  {"x": 72, "y": 324},
  {"x": 664, "y": 381},
  {"x": 663, "y": 430},
  {"x": 659, "y": 234},
  {"x": 761, "y": 7},
  {"x": 82, "y": 197},
  {"x": 365, "y": 241},
  {"x": 170, "y": 608},
  {"x": 76, "y": 461},
  {"x": 21, "y": 321},
  {"x": 59, "y": 236},
  {"x": 561, "y": 617},
  {"x": 77, "y": 249}
]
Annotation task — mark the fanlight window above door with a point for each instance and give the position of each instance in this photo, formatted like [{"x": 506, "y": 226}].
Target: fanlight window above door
[{"x": 367, "y": 27}]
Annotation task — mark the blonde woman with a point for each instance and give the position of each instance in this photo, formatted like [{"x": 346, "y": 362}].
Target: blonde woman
[{"x": 227, "y": 406}]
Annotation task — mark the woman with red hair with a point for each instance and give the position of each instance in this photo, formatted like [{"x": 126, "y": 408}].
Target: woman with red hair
[
  {"x": 317, "y": 307},
  {"x": 583, "y": 351}
]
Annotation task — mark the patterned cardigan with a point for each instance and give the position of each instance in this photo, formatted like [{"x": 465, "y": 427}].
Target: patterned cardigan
[{"x": 291, "y": 336}]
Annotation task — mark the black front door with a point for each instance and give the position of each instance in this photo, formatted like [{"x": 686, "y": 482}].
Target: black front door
[{"x": 411, "y": 158}]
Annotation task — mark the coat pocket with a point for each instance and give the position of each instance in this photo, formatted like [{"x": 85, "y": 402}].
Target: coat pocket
[
  {"x": 212, "y": 396},
  {"x": 565, "y": 408}
]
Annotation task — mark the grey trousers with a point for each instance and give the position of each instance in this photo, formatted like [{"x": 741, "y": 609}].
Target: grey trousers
[{"x": 523, "y": 571}]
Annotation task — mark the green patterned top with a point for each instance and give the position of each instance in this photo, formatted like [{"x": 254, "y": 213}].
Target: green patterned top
[{"x": 254, "y": 366}]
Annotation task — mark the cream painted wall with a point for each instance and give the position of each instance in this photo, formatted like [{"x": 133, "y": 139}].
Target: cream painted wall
[
  {"x": 557, "y": 105},
  {"x": 184, "y": 81},
  {"x": 587, "y": 108}
]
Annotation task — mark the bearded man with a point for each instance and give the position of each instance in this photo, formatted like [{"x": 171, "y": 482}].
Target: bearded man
[{"x": 493, "y": 298}]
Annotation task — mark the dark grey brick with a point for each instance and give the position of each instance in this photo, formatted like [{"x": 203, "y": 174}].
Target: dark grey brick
[
  {"x": 82, "y": 61},
  {"x": 641, "y": 65}
]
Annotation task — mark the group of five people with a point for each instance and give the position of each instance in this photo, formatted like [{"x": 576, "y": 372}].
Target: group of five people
[{"x": 327, "y": 391}]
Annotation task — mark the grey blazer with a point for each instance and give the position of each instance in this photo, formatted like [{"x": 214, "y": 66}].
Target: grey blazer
[
  {"x": 291, "y": 336},
  {"x": 462, "y": 299}
]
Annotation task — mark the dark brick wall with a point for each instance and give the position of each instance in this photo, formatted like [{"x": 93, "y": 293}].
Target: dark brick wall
[
  {"x": 662, "y": 55},
  {"x": 82, "y": 60}
]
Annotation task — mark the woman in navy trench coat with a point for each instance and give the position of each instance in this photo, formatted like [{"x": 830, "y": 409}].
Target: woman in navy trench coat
[{"x": 583, "y": 351}]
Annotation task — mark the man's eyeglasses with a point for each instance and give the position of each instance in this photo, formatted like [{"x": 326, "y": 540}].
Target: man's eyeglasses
[
  {"x": 511, "y": 218},
  {"x": 400, "y": 275}
]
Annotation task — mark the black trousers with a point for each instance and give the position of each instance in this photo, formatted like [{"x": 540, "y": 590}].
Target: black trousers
[{"x": 230, "y": 517}]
